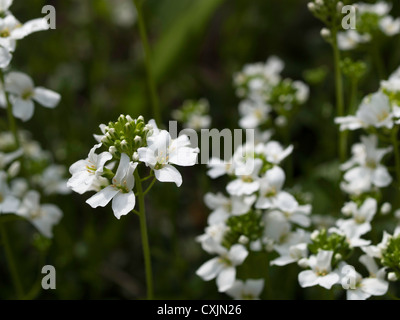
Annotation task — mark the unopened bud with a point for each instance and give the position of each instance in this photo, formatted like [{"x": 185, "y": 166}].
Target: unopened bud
[
  {"x": 392, "y": 277},
  {"x": 303, "y": 263},
  {"x": 386, "y": 208}
]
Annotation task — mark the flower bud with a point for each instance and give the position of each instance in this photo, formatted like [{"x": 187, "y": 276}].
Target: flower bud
[
  {"x": 314, "y": 235},
  {"x": 135, "y": 156},
  {"x": 386, "y": 208},
  {"x": 243, "y": 240},
  {"x": 392, "y": 277},
  {"x": 112, "y": 150}
]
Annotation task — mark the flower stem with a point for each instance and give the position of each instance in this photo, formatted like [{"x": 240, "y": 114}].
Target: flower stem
[
  {"x": 145, "y": 238},
  {"x": 150, "y": 76},
  {"x": 11, "y": 120},
  {"x": 11, "y": 263},
  {"x": 339, "y": 93}
]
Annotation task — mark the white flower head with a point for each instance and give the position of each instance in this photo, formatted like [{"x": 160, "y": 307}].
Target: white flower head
[
  {"x": 321, "y": 271},
  {"x": 224, "y": 266},
  {"x": 390, "y": 26},
  {"x": 23, "y": 94},
  {"x": 163, "y": 151},
  {"x": 85, "y": 172},
  {"x": 120, "y": 191},
  {"x": 246, "y": 290},
  {"x": 42, "y": 216}
]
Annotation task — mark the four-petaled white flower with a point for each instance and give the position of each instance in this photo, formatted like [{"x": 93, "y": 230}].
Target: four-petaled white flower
[
  {"x": 270, "y": 187},
  {"x": 359, "y": 288},
  {"x": 321, "y": 271},
  {"x": 254, "y": 112},
  {"x": 120, "y": 191},
  {"x": 364, "y": 168},
  {"x": 224, "y": 266},
  {"x": 374, "y": 111},
  {"x": 85, "y": 172},
  {"x": 162, "y": 151},
  {"x": 12, "y": 30},
  {"x": 42, "y": 216},
  {"x": 23, "y": 94},
  {"x": 390, "y": 26},
  {"x": 246, "y": 290},
  {"x": 361, "y": 217}
]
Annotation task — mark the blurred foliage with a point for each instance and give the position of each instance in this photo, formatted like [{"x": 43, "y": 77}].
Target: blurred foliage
[{"x": 97, "y": 66}]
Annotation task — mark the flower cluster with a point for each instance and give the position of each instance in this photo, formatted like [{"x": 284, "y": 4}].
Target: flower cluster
[
  {"x": 372, "y": 20},
  {"x": 266, "y": 94},
  {"x": 330, "y": 250},
  {"x": 127, "y": 143},
  {"x": 20, "y": 88},
  {"x": 26, "y": 175},
  {"x": 257, "y": 216},
  {"x": 194, "y": 114}
]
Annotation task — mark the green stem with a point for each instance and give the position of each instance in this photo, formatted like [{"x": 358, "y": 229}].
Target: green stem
[
  {"x": 150, "y": 186},
  {"x": 353, "y": 95},
  {"x": 11, "y": 120},
  {"x": 339, "y": 93},
  {"x": 145, "y": 238},
  {"x": 380, "y": 67},
  {"x": 396, "y": 152},
  {"x": 11, "y": 263},
  {"x": 150, "y": 76}
]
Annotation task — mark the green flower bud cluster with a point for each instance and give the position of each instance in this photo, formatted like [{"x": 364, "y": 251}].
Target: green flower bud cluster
[
  {"x": 368, "y": 22},
  {"x": 316, "y": 76},
  {"x": 190, "y": 108},
  {"x": 391, "y": 255},
  {"x": 353, "y": 69},
  {"x": 248, "y": 225},
  {"x": 332, "y": 242},
  {"x": 283, "y": 97},
  {"x": 126, "y": 135}
]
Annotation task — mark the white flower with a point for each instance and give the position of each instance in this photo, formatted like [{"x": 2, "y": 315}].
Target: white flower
[
  {"x": 254, "y": 112},
  {"x": 270, "y": 187},
  {"x": 248, "y": 290},
  {"x": 292, "y": 210},
  {"x": 376, "y": 251},
  {"x": 8, "y": 202},
  {"x": 375, "y": 111},
  {"x": 352, "y": 235},
  {"x": 350, "y": 39},
  {"x": 275, "y": 153},
  {"x": 390, "y": 26},
  {"x": 218, "y": 168},
  {"x": 163, "y": 150},
  {"x": 223, "y": 207},
  {"x": 11, "y": 30},
  {"x": 290, "y": 254},
  {"x": 224, "y": 266},
  {"x": 320, "y": 273},
  {"x": 368, "y": 171},
  {"x": 85, "y": 172},
  {"x": 43, "y": 217},
  {"x": 198, "y": 122},
  {"x": 380, "y": 8},
  {"x": 51, "y": 180},
  {"x": 120, "y": 191},
  {"x": 359, "y": 288},
  {"x": 247, "y": 181},
  {"x": 302, "y": 91},
  {"x": 214, "y": 234},
  {"x": 361, "y": 217},
  {"x": 24, "y": 93}
]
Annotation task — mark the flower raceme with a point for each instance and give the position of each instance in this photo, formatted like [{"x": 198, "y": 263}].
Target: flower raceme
[{"x": 129, "y": 142}]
